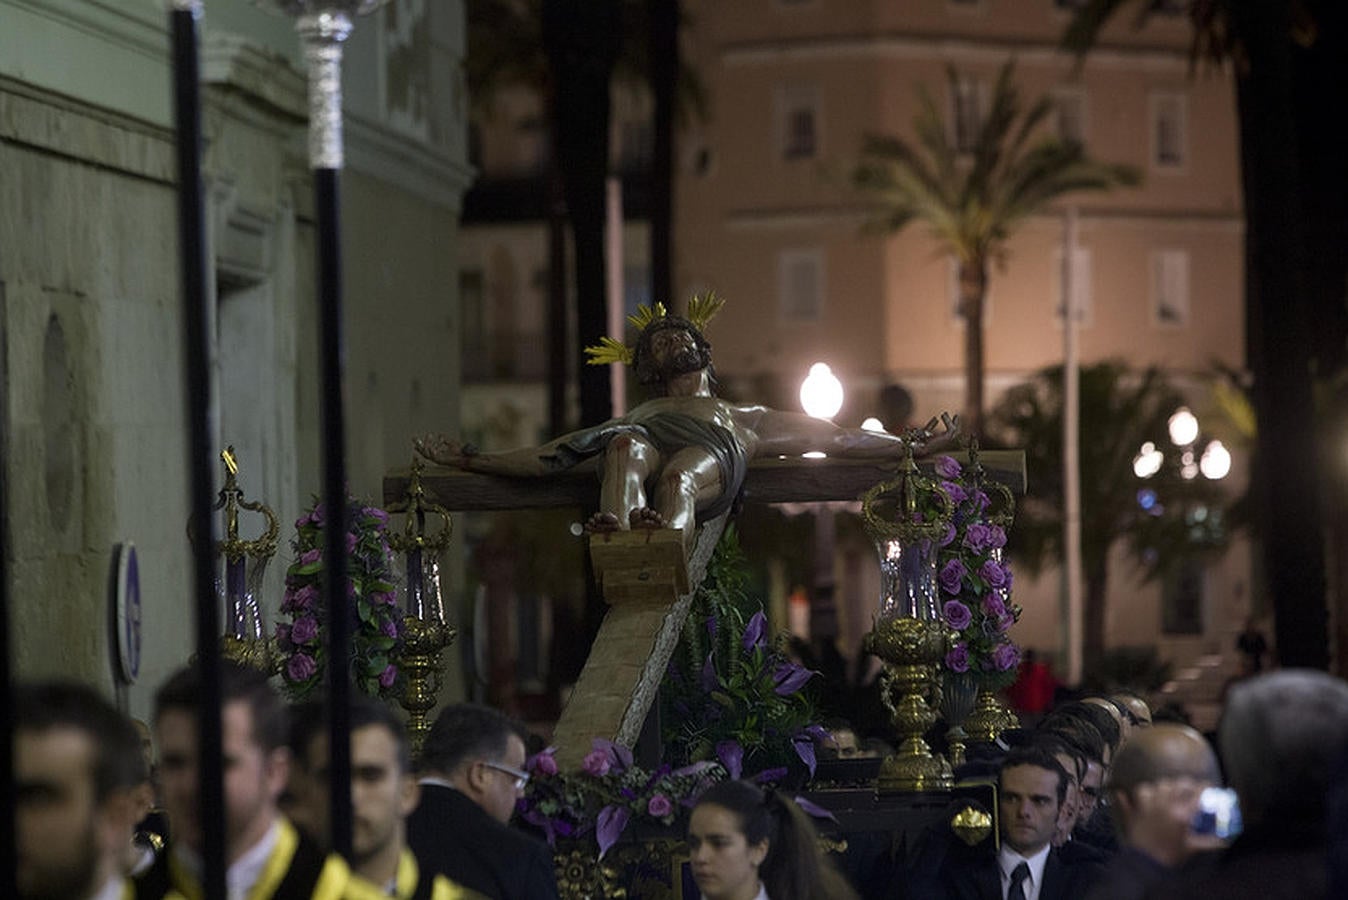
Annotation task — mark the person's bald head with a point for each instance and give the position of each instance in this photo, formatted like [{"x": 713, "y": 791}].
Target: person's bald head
[{"x": 1167, "y": 750}]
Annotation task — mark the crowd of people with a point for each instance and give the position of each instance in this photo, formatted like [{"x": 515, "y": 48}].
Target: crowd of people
[{"x": 1096, "y": 802}]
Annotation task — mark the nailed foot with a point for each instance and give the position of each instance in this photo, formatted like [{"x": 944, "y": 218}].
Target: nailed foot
[
  {"x": 645, "y": 517},
  {"x": 602, "y": 523}
]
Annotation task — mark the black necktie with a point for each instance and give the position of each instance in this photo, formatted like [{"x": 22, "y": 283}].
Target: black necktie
[{"x": 1019, "y": 875}]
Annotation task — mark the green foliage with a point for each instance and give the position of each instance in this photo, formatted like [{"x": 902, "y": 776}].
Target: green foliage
[
  {"x": 376, "y": 620},
  {"x": 1120, "y": 410},
  {"x": 729, "y": 682}
]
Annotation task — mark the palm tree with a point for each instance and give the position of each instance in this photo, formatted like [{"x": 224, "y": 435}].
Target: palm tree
[
  {"x": 1120, "y": 411},
  {"x": 972, "y": 202},
  {"x": 1288, "y": 60},
  {"x": 568, "y": 51}
]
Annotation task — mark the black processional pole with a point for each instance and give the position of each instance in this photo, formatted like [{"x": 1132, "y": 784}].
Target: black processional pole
[
  {"x": 323, "y": 26},
  {"x": 192, "y": 247}
]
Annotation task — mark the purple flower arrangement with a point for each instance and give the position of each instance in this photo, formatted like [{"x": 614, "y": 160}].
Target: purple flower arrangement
[
  {"x": 376, "y": 620},
  {"x": 739, "y": 699},
  {"x": 975, "y": 584},
  {"x": 607, "y": 793}
]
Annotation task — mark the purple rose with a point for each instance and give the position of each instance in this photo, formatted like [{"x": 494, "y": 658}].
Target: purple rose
[
  {"x": 957, "y": 660},
  {"x": 998, "y": 540},
  {"x": 978, "y": 537},
  {"x": 351, "y": 541},
  {"x": 947, "y": 468},
  {"x": 981, "y": 502},
  {"x": 957, "y": 615},
  {"x": 993, "y": 607},
  {"x": 993, "y": 573},
  {"x": 301, "y": 600},
  {"x": 389, "y": 628},
  {"x": 948, "y": 537},
  {"x": 316, "y": 517},
  {"x": 1005, "y": 657},
  {"x": 304, "y": 630},
  {"x": 957, "y": 493},
  {"x": 596, "y": 763},
  {"x": 1006, "y": 620},
  {"x": 301, "y": 667},
  {"x": 376, "y": 513},
  {"x": 952, "y": 576},
  {"x": 311, "y": 556},
  {"x": 544, "y": 764},
  {"x": 388, "y": 676},
  {"x": 659, "y": 806}
]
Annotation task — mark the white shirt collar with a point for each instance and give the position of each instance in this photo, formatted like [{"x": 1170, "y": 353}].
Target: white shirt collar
[
  {"x": 1008, "y": 859},
  {"x": 762, "y": 892},
  {"x": 436, "y": 782},
  {"x": 245, "y": 871}
]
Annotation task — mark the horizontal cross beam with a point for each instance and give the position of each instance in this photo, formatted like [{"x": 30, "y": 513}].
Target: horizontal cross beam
[{"x": 769, "y": 481}]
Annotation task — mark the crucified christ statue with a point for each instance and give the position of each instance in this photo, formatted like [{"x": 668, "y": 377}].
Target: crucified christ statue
[{"x": 682, "y": 454}]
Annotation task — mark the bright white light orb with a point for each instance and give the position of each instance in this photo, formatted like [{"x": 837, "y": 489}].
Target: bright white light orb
[
  {"x": 821, "y": 393},
  {"x": 1183, "y": 427},
  {"x": 873, "y": 424},
  {"x": 1216, "y": 461},
  {"x": 1148, "y": 461}
]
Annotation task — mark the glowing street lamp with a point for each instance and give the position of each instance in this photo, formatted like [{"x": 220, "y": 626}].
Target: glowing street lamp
[
  {"x": 821, "y": 393},
  {"x": 1183, "y": 427}
]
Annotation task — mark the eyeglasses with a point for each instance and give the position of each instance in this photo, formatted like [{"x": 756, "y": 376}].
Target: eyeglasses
[{"x": 521, "y": 777}]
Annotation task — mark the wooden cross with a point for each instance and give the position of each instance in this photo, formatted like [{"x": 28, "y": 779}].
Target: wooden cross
[{"x": 646, "y": 580}]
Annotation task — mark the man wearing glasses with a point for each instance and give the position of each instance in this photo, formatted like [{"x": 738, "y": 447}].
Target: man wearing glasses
[{"x": 472, "y": 774}]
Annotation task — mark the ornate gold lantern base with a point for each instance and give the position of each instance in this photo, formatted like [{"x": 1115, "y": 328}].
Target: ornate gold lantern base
[
  {"x": 911, "y": 649},
  {"x": 990, "y": 718},
  {"x": 421, "y": 667}
]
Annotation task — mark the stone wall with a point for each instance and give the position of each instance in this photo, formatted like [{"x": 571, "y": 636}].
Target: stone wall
[{"x": 92, "y": 443}]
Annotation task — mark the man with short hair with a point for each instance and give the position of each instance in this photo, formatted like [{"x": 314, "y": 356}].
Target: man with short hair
[
  {"x": 473, "y": 772},
  {"x": 1154, "y": 788},
  {"x": 77, "y": 766},
  {"x": 383, "y": 793},
  {"x": 265, "y": 855},
  {"x": 1031, "y": 786},
  {"x": 1280, "y": 737}
]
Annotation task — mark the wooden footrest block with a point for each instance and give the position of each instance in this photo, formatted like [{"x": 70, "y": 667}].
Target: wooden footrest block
[{"x": 647, "y": 564}]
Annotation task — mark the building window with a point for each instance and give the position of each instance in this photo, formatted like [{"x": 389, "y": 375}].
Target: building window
[
  {"x": 1069, "y": 114},
  {"x": 967, "y": 102},
  {"x": 798, "y": 116},
  {"x": 800, "y": 285},
  {"x": 1170, "y": 288},
  {"x": 1082, "y": 298},
  {"x": 1169, "y": 131},
  {"x": 1182, "y": 599}
]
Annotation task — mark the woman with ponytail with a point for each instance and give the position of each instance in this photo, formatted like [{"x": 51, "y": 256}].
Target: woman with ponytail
[{"x": 745, "y": 843}]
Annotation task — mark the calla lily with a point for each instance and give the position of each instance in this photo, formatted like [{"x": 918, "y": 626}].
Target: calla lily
[
  {"x": 731, "y": 755},
  {"x": 608, "y": 827},
  {"x": 804, "y": 748},
  {"x": 753, "y": 632},
  {"x": 790, "y": 678}
]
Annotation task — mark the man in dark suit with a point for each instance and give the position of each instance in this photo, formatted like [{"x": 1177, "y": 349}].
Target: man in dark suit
[
  {"x": 1032, "y": 785},
  {"x": 473, "y": 772},
  {"x": 1155, "y": 787}
]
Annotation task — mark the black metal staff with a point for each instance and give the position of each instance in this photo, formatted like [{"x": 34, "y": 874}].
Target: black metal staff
[
  {"x": 8, "y": 846},
  {"x": 183, "y": 18},
  {"x": 323, "y": 25}
]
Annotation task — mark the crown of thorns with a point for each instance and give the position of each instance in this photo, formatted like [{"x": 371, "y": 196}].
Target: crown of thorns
[{"x": 701, "y": 310}]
